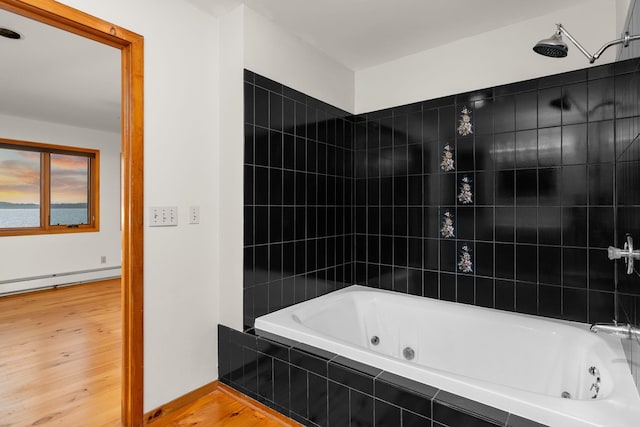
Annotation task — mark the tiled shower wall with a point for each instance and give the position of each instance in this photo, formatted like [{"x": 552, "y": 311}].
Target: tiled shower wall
[
  {"x": 546, "y": 180},
  {"x": 627, "y": 195},
  {"x": 515, "y": 214},
  {"x": 506, "y": 197},
  {"x": 298, "y": 191}
]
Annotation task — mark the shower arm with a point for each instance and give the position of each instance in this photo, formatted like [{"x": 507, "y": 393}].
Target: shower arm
[{"x": 592, "y": 58}]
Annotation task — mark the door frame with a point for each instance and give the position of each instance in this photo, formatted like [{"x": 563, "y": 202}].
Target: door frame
[{"x": 132, "y": 209}]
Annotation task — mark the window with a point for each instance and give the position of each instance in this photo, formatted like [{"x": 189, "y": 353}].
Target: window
[{"x": 47, "y": 188}]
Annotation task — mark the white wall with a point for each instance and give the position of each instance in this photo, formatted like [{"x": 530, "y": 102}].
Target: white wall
[
  {"x": 229, "y": 160},
  {"x": 280, "y": 56},
  {"x": 41, "y": 255},
  {"x": 181, "y": 123},
  {"x": 629, "y": 21},
  {"x": 494, "y": 58},
  {"x": 193, "y": 156},
  {"x": 623, "y": 9},
  {"x": 248, "y": 40}
]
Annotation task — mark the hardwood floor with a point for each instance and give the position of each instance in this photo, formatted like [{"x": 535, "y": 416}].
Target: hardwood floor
[
  {"x": 60, "y": 365},
  {"x": 60, "y": 357},
  {"x": 224, "y": 407}
]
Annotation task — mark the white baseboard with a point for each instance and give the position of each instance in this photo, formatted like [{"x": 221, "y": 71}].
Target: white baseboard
[{"x": 60, "y": 279}]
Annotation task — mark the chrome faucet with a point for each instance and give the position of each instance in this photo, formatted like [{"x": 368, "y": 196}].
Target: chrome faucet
[
  {"x": 616, "y": 328},
  {"x": 627, "y": 253}
]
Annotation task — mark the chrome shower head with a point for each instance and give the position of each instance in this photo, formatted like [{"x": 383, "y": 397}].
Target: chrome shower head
[{"x": 554, "y": 46}]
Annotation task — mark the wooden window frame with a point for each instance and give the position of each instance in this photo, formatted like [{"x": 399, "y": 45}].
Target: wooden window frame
[{"x": 93, "y": 204}]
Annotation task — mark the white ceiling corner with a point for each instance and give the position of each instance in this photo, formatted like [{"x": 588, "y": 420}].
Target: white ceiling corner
[
  {"x": 364, "y": 33},
  {"x": 57, "y": 76}
]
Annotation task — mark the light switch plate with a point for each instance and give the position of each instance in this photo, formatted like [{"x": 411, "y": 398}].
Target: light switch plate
[
  {"x": 166, "y": 216},
  {"x": 194, "y": 215}
]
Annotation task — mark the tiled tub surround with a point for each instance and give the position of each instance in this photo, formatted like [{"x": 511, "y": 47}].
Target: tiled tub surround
[
  {"x": 298, "y": 191},
  {"x": 551, "y": 166},
  {"x": 551, "y": 170},
  {"x": 506, "y": 197},
  {"x": 318, "y": 388},
  {"x": 518, "y": 363}
]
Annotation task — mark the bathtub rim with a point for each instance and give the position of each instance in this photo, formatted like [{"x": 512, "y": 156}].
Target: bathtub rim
[{"x": 625, "y": 395}]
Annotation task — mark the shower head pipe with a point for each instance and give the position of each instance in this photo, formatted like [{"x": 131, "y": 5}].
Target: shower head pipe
[{"x": 592, "y": 58}]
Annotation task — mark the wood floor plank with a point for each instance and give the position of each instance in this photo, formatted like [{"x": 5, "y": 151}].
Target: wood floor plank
[
  {"x": 60, "y": 363},
  {"x": 220, "y": 409}
]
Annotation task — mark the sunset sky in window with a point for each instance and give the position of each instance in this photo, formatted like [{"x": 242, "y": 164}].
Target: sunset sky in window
[{"x": 20, "y": 177}]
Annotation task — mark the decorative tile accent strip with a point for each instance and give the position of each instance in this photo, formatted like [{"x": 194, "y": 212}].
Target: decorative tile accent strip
[
  {"x": 447, "y": 231},
  {"x": 448, "y": 162},
  {"x": 465, "y": 127},
  {"x": 465, "y": 265},
  {"x": 466, "y": 193}
]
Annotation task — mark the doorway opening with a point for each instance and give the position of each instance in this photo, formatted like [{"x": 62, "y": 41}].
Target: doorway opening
[{"x": 131, "y": 47}]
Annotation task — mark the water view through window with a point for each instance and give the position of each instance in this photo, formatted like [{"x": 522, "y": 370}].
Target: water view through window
[
  {"x": 69, "y": 189},
  {"x": 19, "y": 188},
  {"x": 21, "y": 179}
]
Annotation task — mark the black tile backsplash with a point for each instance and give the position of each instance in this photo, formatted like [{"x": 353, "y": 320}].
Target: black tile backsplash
[{"x": 545, "y": 181}]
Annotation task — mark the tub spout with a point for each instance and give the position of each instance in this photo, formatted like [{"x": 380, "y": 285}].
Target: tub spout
[{"x": 617, "y": 329}]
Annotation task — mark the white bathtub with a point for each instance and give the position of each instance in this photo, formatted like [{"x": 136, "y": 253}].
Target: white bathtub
[{"x": 518, "y": 363}]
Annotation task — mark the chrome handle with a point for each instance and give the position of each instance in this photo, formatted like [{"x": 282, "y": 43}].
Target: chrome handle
[
  {"x": 628, "y": 253},
  {"x": 628, "y": 246}
]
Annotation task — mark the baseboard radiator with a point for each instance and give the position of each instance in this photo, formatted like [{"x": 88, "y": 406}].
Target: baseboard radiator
[{"x": 35, "y": 283}]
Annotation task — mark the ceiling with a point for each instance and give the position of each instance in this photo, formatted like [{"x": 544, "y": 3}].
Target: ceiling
[
  {"x": 363, "y": 33},
  {"x": 56, "y": 76}
]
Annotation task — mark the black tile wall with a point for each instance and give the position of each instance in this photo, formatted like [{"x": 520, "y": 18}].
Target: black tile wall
[
  {"x": 320, "y": 389},
  {"x": 551, "y": 168},
  {"x": 298, "y": 189},
  {"x": 516, "y": 215},
  {"x": 552, "y": 165},
  {"x": 627, "y": 196},
  {"x": 509, "y": 204}
]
